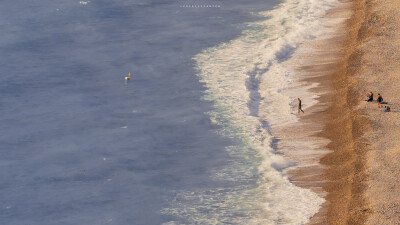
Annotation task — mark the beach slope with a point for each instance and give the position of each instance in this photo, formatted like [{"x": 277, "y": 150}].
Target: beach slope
[{"x": 363, "y": 167}]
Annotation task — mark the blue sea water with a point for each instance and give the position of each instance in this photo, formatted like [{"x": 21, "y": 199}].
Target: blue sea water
[{"x": 78, "y": 144}]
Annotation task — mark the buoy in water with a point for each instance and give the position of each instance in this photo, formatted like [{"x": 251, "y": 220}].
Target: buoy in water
[{"x": 128, "y": 77}]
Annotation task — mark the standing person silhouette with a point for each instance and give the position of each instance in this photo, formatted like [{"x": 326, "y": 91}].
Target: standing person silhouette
[{"x": 299, "y": 109}]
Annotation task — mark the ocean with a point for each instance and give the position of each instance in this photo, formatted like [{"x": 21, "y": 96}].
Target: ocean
[{"x": 186, "y": 141}]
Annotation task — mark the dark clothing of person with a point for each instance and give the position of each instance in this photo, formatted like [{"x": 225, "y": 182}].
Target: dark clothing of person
[
  {"x": 370, "y": 98},
  {"x": 379, "y": 99},
  {"x": 299, "y": 109}
]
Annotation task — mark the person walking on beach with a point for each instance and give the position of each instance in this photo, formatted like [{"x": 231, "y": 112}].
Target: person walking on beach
[{"x": 299, "y": 108}]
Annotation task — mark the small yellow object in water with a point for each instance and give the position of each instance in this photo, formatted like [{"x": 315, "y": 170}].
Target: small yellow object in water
[{"x": 128, "y": 77}]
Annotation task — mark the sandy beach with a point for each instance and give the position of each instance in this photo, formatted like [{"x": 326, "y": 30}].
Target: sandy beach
[
  {"x": 362, "y": 174},
  {"x": 379, "y": 72},
  {"x": 358, "y": 150},
  {"x": 359, "y": 177},
  {"x": 346, "y": 173}
]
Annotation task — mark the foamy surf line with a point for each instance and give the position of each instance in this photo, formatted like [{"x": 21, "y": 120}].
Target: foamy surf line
[
  {"x": 251, "y": 82},
  {"x": 250, "y": 85}
]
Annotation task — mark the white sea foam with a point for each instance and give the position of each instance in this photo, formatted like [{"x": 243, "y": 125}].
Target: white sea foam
[{"x": 254, "y": 88}]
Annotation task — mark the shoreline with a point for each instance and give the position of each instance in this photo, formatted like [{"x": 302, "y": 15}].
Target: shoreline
[
  {"x": 254, "y": 81},
  {"x": 304, "y": 142},
  {"x": 343, "y": 177},
  {"x": 334, "y": 145}
]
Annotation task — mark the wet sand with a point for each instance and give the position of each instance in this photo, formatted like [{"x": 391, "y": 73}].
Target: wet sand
[
  {"x": 307, "y": 142},
  {"x": 346, "y": 164}
]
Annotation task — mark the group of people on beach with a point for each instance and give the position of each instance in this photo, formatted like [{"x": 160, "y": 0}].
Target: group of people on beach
[
  {"x": 379, "y": 99},
  {"x": 370, "y": 98}
]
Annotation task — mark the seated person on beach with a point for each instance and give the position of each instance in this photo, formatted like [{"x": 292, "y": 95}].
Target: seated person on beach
[
  {"x": 370, "y": 97},
  {"x": 386, "y": 109}
]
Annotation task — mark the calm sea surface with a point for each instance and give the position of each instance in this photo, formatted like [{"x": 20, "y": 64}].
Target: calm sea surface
[{"x": 78, "y": 144}]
